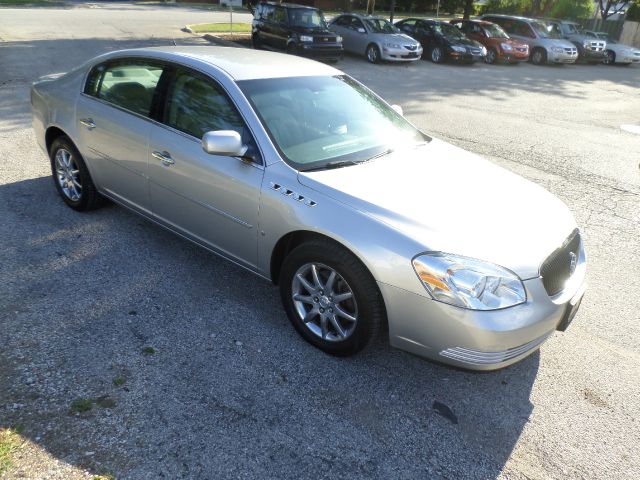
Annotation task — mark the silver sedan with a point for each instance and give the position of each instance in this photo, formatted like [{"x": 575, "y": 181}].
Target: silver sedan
[
  {"x": 300, "y": 174},
  {"x": 375, "y": 38}
]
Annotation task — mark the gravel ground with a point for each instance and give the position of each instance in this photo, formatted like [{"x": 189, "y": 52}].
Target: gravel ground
[{"x": 188, "y": 364}]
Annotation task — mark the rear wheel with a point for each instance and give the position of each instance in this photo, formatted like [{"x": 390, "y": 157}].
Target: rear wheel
[
  {"x": 331, "y": 298},
  {"x": 609, "y": 57},
  {"x": 539, "y": 56},
  {"x": 255, "y": 40},
  {"x": 71, "y": 176},
  {"x": 292, "y": 49},
  {"x": 373, "y": 53},
  {"x": 436, "y": 55}
]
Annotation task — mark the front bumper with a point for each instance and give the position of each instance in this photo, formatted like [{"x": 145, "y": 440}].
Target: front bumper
[
  {"x": 513, "y": 57},
  {"x": 592, "y": 55},
  {"x": 321, "y": 51},
  {"x": 464, "y": 57},
  {"x": 627, "y": 59},
  {"x": 562, "y": 57},
  {"x": 479, "y": 340},
  {"x": 400, "y": 54}
]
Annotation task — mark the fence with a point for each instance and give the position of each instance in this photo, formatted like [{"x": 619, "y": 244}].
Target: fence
[{"x": 612, "y": 27}]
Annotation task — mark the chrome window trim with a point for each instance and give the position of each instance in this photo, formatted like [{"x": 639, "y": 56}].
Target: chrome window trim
[{"x": 165, "y": 63}]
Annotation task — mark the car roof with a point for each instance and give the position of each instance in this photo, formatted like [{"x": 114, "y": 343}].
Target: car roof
[
  {"x": 479, "y": 22},
  {"x": 238, "y": 63},
  {"x": 513, "y": 17},
  {"x": 288, "y": 5}
]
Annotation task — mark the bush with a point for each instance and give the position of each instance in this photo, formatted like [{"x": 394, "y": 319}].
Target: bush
[
  {"x": 633, "y": 13},
  {"x": 504, "y": 6},
  {"x": 573, "y": 9}
]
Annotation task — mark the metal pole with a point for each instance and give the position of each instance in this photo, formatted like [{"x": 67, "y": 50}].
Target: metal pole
[{"x": 230, "y": 19}]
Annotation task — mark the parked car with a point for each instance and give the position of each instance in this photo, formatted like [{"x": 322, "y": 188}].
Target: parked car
[
  {"x": 500, "y": 47},
  {"x": 544, "y": 45},
  {"x": 589, "y": 49},
  {"x": 616, "y": 52},
  {"x": 300, "y": 174},
  {"x": 297, "y": 29},
  {"x": 442, "y": 41},
  {"x": 375, "y": 38}
]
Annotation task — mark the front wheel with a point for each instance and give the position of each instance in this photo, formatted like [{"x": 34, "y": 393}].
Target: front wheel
[
  {"x": 609, "y": 57},
  {"x": 492, "y": 56},
  {"x": 255, "y": 40},
  {"x": 71, "y": 176},
  {"x": 436, "y": 55},
  {"x": 331, "y": 298},
  {"x": 373, "y": 53},
  {"x": 539, "y": 56}
]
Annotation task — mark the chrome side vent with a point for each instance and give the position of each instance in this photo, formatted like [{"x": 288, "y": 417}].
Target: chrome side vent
[{"x": 287, "y": 192}]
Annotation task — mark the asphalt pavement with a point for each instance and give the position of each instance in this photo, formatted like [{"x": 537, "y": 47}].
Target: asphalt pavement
[{"x": 188, "y": 362}]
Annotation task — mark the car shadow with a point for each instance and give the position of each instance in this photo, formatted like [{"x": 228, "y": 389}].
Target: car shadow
[{"x": 128, "y": 350}]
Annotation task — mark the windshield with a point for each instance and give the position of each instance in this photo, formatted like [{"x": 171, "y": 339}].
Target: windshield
[
  {"x": 448, "y": 30},
  {"x": 379, "y": 25},
  {"x": 545, "y": 31},
  {"x": 571, "y": 28},
  {"x": 495, "y": 31},
  {"x": 307, "y": 18},
  {"x": 318, "y": 122}
]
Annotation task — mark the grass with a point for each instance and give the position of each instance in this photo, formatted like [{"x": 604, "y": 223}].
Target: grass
[
  {"x": 9, "y": 443},
  {"x": 81, "y": 405},
  {"x": 119, "y": 381},
  {"x": 219, "y": 27},
  {"x": 148, "y": 350}
]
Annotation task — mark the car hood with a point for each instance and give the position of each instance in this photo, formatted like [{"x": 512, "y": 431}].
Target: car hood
[
  {"x": 467, "y": 42},
  {"x": 453, "y": 201},
  {"x": 396, "y": 37},
  {"x": 557, "y": 42}
]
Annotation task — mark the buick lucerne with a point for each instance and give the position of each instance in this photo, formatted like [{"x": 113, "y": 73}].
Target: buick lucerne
[{"x": 294, "y": 170}]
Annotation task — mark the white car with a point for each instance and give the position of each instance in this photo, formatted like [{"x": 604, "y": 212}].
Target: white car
[{"x": 616, "y": 52}]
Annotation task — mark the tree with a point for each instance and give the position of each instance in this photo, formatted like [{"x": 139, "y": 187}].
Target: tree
[
  {"x": 468, "y": 9},
  {"x": 608, "y": 8}
]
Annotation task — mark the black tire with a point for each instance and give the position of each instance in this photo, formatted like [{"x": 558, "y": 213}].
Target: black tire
[
  {"x": 436, "y": 54},
  {"x": 367, "y": 301},
  {"x": 255, "y": 41},
  {"x": 609, "y": 57},
  {"x": 89, "y": 198},
  {"x": 491, "y": 57},
  {"x": 539, "y": 56},
  {"x": 292, "y": 49},
  {"x": 372, "y": 53}
]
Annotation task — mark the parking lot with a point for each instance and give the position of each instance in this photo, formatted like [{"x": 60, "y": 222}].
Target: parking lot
[{"x": 190, "y": 363}]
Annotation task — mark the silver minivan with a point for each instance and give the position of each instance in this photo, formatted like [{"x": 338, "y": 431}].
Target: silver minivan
[{"x": 545, "y": 46}]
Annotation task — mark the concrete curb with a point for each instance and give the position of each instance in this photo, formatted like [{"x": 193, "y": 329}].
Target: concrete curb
[{"x": 221, "y": 41}]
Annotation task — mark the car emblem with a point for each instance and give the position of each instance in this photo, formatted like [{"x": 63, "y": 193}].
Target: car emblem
[{"x": 573, "y": 262}]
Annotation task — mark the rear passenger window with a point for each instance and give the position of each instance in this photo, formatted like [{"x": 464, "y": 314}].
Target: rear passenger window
[{"x": 129, "y": 85}]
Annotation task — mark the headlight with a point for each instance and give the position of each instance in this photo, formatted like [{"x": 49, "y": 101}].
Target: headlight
[
  {"x": 458, "y": 49},
  {"x": 392, "y": 45},
  {"x": 306, "y": 38},
  {"x": 506, "y": 47},
  {"x": 468, "y": 283},
  {"x": 557, "y": 49},
  {"x": 339, "y": 39},
  {"x": 586, "y": 43},
  {"x": 484, "y": 51}
]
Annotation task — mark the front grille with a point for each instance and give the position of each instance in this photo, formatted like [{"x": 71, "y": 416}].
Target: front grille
[
  {"x": 596, "y": 46},
  {"x": 560, "y": 265},
  {"x": 411, "y": 47},
  {"x": 571, "y": 51},
  {"x": 521, "y": 49},
  {"x": 475, "y": 51},
  {"x": 324, "y": 39}
]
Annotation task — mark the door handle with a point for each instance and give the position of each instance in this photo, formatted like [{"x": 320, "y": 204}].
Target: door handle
[
  {"x": 164, "y": 157},
  {"x": 88, "y": 122}
]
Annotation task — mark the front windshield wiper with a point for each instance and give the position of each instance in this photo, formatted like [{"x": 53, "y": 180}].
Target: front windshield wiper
[{"x": 331, "y": 165}]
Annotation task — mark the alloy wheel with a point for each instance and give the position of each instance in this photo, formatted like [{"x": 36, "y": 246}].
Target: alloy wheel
[
  {"x": 436, "y": 55},
  {"x": 324, "y": 301},
  {"x": 491, "y": 56},
  {"x": 372, "y": 54},
  {"x": 68, "y": 175}
]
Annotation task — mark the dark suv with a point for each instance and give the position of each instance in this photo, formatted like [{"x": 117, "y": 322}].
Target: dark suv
[{"x": 297, "y": 29}]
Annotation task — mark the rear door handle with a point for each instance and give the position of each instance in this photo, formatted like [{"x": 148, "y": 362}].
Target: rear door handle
[
  {"x": 88, "y": 122},
  {"x": 164, "y": 157}
]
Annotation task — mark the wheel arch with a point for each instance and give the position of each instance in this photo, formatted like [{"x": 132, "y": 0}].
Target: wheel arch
[{"x": 53, "y": 132}]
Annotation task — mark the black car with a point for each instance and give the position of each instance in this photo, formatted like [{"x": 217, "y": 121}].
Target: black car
[
  {"x": 297, "y": 29},
  {"x": 442, "y": 41}
]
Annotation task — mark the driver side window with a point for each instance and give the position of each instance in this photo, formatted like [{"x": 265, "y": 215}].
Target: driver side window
[{"x": 356, "y": 24}]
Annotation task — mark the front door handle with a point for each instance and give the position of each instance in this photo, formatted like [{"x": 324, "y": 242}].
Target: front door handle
[
  {"x": 164, "y": 157},
  {"x": 88, "y": 122}
]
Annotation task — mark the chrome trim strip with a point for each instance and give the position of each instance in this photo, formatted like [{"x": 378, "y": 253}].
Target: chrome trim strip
[{"x": 476, "y": 357}]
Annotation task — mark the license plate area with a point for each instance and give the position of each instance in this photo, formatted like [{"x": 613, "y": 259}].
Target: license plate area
[{"x": 570, "y": 312}]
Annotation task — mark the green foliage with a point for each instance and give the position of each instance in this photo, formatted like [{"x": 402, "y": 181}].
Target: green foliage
[
  {"x": 81, "y": 405},
  {"x": 573, "y": 9},
  {"x": 633, "y": 13},
  {"x": 513, "y": 7}
]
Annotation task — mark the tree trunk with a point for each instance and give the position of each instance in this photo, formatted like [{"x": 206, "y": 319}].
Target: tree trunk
[
  {"x": 392, "y": 8},
  {"x": 468, "y": 9}
]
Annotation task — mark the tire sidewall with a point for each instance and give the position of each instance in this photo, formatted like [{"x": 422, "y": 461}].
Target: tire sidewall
[
  {"x": 376, "y": 53},
  {"x": 314, "y": 253},
  {"x": 439, "y": 57},
  {"x": 540, "y": 55},
  {"x": 85, "y": 178}
]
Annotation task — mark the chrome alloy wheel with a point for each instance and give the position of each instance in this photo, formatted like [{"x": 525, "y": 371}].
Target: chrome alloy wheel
[
  {"x": 324, "y": 302},
  {"x": 68, "y": 175}
]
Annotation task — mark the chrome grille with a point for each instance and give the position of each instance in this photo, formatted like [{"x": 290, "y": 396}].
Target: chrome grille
[
  {"x": 596, "y": 46},
  {"x": 413, "y": 48},
  {"x": 324, "y": 39},
  {"x": 570, "y": 50},
  {"x": 557, "y": 268}
]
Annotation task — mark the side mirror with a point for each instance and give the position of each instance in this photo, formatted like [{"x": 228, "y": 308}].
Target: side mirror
[
  {"x": 398, "y": 110},
  {"x": 223, "y": 142},
  {"x": 361, "y": 30}
]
